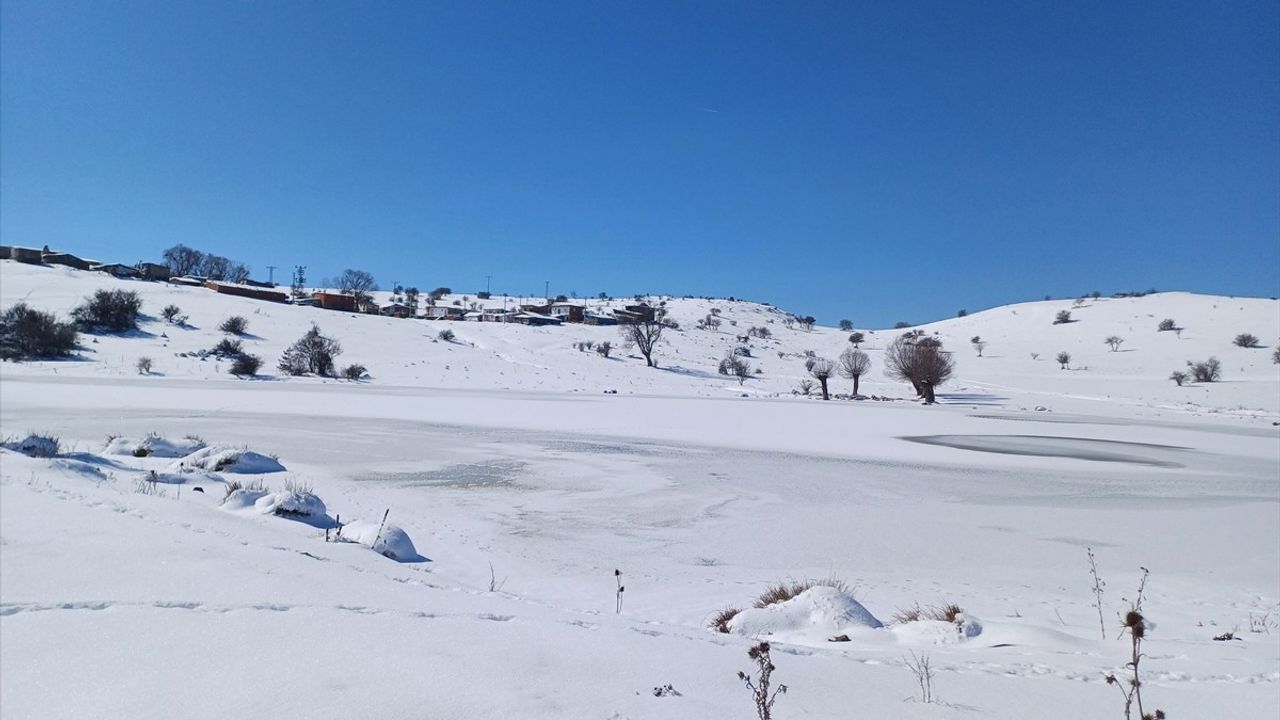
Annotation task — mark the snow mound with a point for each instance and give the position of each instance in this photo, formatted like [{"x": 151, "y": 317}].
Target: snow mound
[
  {"x": 939, "y": 632},
  {"x": 225, "y": 459},
  {"x": 392, "y": 542},
  {"x": 244, "y": 498},
  {"x": 154, "y": 446},
  {"x": 41, "y": 446},
  {"x": 295, "y": 502},
  {"x": 820, "y": 612}
]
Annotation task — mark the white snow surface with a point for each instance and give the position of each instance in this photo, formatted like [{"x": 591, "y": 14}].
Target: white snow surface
[
  {"x": 504, "y": 459},
  {"x": 154, "y": 445}
]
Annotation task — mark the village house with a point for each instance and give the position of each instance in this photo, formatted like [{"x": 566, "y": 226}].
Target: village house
[
  {"x": 152, "y": 271},
  {"x": 399, "y": 310},
  {"x": 68, "y": 260},
  {"x": 116, "y": 269},
  {"x": 444, "y": 312},
  {"x": 335, "y": 301},
  {"x": 568, "y": 312},
  {"x": 246, "y": 291}
]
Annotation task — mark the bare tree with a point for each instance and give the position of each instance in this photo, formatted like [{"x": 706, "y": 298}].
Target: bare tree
[
  {"x": 822, "y": 369},
  {"x": 215, "y": 267},
  {"x": 853, "y": 365},
  {"x": 1064, "y": 358},
  {"x": 1114, "y": 342},
  {"x": 359, "y": 283},
  {"x": 644, "y": 334},
  {"x": 978, "y": 344},
  {"x": 182, "y": 260},
  {"x": 846, "y": 325},
  {"x": 857, "y": 338},
  {"x": 924, "y": 365}
]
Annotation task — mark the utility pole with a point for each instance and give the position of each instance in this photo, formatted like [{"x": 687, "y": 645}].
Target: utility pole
[
  {"x": 271, "y": 274},
  {"x": 546, "y": 289},
  {"x": 486, "y": 282}
]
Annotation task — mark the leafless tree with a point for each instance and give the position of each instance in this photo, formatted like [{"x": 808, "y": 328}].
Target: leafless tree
[
  {"x": 182, "y": 260},
  {"x": 978, "y": 344},
  {"x": 924, "y": 365},
  {"x": 853, "y": 365},
  {"x": 644, "y": 334},
  {"x": 1064, "y": 358},
  {"x": 822, "y": 369},
  {"x": 1114, "y": 342},
  {"x": 359, "y": 283}
]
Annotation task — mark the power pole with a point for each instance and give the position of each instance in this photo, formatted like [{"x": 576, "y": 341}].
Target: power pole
[
  {"x": 271, "y": 274},
  {"x": 546, "y": 288},
  {"x": 486, "y": 283}
]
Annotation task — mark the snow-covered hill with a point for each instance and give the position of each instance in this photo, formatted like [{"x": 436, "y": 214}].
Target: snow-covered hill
[
  {"x": 172, "y": 547},
  {"x": 1017, "y": 369}
]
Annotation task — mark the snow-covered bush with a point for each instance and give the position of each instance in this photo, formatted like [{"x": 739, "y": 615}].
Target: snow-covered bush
[
  {"x": 236, "y": 325},
  {"x": 109, "y": 310},
  {"x": 1247, "y": 340},
  {"x": 1166, "y": 325},
  {"x": 1063, "y": 317},
  {"x": 819, "y": 612},
  {"x": 155, "y": 446},
  {"x": 173, "y": 314},
  {"x": 313, "y": 353},
  {"x": 143, "y": 365},
  {"x": 41, "y": 446},
  {"x": 1207, "y": 371},
  {"x": 246, "y": 364},
  {"x": 297, "y": 500},
  {"x": 220, "y": 458},
  {"x": 27, "y": 334},
  {"x": 354, "y": 371}
]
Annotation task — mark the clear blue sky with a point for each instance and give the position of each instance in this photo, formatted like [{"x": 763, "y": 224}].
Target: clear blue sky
[{"x": 844, "y": 160}]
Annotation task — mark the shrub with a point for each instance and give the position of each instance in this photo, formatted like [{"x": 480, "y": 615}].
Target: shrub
[
  {"x": 1064, "y": 358},
  {"x": 236, "y": 325},
  {"x": 962, "y": 313},
  {"x": 109, "y": 310},
  {"x": 857, "y": 339},
  {"x": 604, "y": 348},
  {"x": 354, "y": 371},
  {"x": 34, "y": 445},
  {"x": 1208, "y": 371},
  {"x": 1063, "y": 317},
  {"x": 805, "y": 386},
  {"x": 143, "y": 365},
  {"x": 246, "y": 364},
  {"x": 446, "y": 335},
  {"x": 846, "y": 325},
  {"x": 227, "y": 347},
  {"x": 173, "y": 314},
  {"x": 1247, "y": 340},
  {"x": 233, "y": 486},
  {"x": 901, "y": 324},
  {"x": 1275, "y": 357},
  {"x": 312, "y": 353},
  {"x": 1114, "y": 342},
  {"x": 1166, "y": 325},
  {"x": 720, "y": 622},
  {"x": 1178, "y": 377},
  {"x": 787, "y": 589},
  {"x": 27, "y": 334}
]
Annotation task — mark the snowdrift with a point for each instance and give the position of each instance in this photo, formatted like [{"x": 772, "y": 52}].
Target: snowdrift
[
  {"x": 816, "y": 614},
  {"x": 225, "y": 459},
  {"x": 393, "y": 542},
  {"x": 154, "y": 446}
]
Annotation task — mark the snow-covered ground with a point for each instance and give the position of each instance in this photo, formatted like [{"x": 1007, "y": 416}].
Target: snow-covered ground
[{"x": 499, "y": 460}]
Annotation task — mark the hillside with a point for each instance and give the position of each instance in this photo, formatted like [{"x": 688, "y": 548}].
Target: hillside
[{"x": 1017, "y": 369}]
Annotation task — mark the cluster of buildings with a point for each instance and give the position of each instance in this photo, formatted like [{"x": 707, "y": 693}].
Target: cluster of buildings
[{"x": 548, "y": 313}]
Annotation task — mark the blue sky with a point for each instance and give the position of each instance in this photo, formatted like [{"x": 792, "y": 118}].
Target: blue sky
[{"x": 846, "y": 160}]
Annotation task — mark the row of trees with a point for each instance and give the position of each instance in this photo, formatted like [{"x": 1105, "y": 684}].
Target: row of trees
[{"x": 183, "y": 260}]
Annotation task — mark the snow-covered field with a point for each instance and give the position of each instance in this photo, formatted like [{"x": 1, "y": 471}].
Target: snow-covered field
[{"x": 514, "y": 486}]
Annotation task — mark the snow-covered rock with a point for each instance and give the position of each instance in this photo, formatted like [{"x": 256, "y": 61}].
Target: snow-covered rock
[
  {"x": 225, "y": 459},
  {"x": 392, "y": 542},
  {"x": 818, "y": 613},
  {"x": 292, "y": 502}
]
